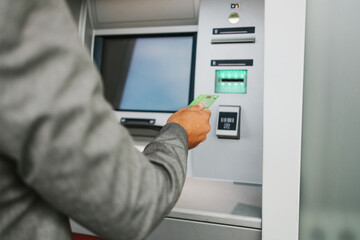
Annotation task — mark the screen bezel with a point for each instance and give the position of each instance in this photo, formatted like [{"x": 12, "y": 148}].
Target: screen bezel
[{"x": 192, "y": 34}]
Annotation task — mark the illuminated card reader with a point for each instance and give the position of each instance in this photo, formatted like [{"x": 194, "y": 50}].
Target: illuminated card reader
[
  {"x": 228, "y": 122},
  {"x": 231, "y": 81}
]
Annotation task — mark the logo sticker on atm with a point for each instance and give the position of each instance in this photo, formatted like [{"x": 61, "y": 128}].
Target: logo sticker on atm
[{"x": 234, "y": 5}]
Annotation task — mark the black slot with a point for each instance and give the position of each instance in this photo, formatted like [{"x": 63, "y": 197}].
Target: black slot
[
  {"x": 232, "y": 62},
  {"x": 232, "y": 80},
  {"x": 137, "y": 121},
  {"x": 141, "y": 127},
  {"x": 240, "y": 30}
]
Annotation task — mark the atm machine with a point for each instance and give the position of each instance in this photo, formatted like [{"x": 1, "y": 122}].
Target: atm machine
[{"x": 156, "y": 57}]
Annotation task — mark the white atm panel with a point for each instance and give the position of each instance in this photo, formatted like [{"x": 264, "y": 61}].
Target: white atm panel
[{"x": 236, "y": 160}]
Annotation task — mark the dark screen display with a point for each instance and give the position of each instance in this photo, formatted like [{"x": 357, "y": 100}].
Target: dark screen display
[
  {"x": 146, "y": 73},
  {"x": 227, "y": 121}
]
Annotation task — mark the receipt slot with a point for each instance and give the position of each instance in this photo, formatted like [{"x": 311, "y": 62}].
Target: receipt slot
[{"x": 228, "y": 122}]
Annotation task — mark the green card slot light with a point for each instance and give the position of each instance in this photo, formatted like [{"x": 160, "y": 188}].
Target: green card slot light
[{"x": 231, "y": 81}]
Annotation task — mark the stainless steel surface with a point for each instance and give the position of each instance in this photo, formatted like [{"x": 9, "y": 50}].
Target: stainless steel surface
[
  {"x": 77, "y": 228},
  {"x": 173, "y": 229},
  {"x": 215, "y": 201},
  {"x": 143, "y": 13},
  {"x": 235, "y": 160},
  {"x": 211, "y": 206}
]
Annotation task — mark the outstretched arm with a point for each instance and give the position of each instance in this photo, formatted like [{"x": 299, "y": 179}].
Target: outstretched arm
[{"x": 64, "y": 138}]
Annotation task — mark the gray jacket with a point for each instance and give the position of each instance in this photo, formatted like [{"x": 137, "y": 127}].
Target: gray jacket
[{"x": 62, "y": 152}]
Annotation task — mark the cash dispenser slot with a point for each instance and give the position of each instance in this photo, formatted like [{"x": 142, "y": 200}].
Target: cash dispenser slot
[{"x": 141, "y": 127}]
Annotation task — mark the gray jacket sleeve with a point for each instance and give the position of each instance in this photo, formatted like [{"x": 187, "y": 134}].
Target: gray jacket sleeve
[{"x": 58, "y": 129}]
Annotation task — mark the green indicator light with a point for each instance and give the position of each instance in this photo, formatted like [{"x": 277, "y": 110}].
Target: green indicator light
[{"x": 231, "y": 81}]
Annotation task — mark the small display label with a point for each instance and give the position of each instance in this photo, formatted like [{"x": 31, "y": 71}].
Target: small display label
[{"x": 227, "y": 121}]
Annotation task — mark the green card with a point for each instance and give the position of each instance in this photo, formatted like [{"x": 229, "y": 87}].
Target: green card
[{"x": 207, "y": 100}]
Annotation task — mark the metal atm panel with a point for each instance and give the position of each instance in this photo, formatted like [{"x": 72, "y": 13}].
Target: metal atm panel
[{"x": 231, "y": 159}]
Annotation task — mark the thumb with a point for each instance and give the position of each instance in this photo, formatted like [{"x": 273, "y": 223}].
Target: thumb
[{"x": 197, "y": 107}]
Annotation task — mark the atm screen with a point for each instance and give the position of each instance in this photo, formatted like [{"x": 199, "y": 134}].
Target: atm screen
[{"x": 147, "y": 72}]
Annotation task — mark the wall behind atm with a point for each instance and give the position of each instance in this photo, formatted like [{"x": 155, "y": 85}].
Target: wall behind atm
[{"x": 330, "y": 171}]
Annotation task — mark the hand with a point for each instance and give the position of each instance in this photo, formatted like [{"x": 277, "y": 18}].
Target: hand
[{"x": 195, "y": 121}]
